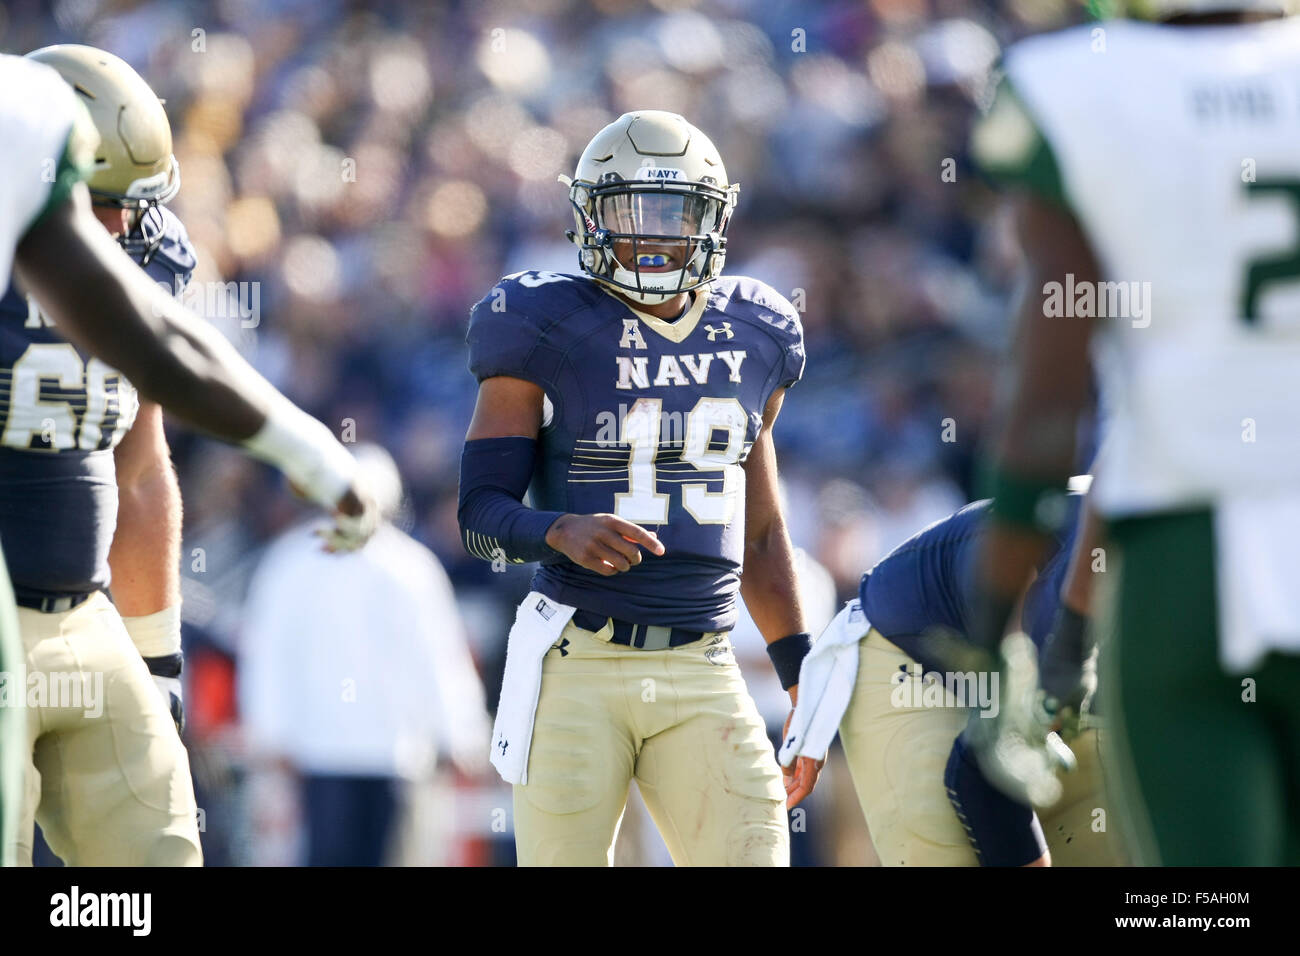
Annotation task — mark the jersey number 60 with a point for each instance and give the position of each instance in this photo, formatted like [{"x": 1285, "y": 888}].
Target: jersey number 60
[{"x": 56, "y": 403}]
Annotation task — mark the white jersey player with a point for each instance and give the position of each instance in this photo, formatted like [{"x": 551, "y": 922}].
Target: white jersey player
[{"x": 1158, "y": 173}]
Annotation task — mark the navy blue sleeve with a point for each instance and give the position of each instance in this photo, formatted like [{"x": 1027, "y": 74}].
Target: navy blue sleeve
[
  {"x": 782, "y": 319},
  {"x": 494, "y": 522},
  {"x": 506, "y": 327},
  {"x": 790, "y": 330}
]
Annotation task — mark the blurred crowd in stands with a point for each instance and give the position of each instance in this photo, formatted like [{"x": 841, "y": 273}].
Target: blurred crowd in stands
[{"x": 357, "y": 174}]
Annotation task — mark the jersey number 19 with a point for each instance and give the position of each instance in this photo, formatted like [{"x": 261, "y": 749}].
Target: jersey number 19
[{"x": 641, "y": 429}]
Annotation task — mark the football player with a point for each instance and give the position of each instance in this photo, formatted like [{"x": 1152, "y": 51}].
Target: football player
[
  {"x": 1166, "y": 165},
  {"x": 915, "y": 714},
  {"x": 59, "y": 491},
  {"x": 105, "y": 304},
  {"x": 637, "y": 399}
]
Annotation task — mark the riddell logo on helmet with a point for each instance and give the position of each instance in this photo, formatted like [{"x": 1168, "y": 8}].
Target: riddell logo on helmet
[{"x": 660, "y": 173}]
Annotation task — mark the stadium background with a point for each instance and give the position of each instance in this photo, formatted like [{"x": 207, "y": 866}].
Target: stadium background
[{"x": 370, "y": 169}]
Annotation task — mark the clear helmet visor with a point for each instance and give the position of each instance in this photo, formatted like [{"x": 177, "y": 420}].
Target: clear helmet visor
[
  {"x": 658, "y": 213},
  {"x": 664, "y": 225}
]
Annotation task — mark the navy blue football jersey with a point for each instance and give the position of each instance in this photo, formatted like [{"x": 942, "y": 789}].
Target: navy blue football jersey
[
  {"x": 928, "y": 583},
  {"x": 647, "y": 419},
  {"x": 63, "y": 413}
]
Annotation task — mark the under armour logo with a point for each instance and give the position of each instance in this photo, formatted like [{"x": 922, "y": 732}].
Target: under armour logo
[
  {"x": 564, "y": 642},
  {"x": 503, "y": 744},
  {"x": 725, "y": 330}
]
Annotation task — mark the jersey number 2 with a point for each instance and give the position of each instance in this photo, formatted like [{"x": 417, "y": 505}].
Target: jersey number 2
[{"x": 1266, "y": 270}]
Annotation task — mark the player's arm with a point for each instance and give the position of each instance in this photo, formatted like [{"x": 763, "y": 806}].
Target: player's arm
[
  {"x": 1046, "y": 388},
  {"x": 1076, "y": 590},
  {"x": 1067, "y": 646},
  {"x": 496, "y": 467},
  {"x": 770, "y": 586},
  {"x": 145, "y": 556},
  {"x": 103, "y": 302}
]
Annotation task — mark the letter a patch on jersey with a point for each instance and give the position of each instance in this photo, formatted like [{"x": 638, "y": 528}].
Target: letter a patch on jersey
[{"x": 631, "y": 335}]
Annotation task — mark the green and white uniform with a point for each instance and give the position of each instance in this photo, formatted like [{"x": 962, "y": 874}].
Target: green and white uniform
[
  {"x": 46, "y": 146},
  {"x": 1177, "y": 150}
]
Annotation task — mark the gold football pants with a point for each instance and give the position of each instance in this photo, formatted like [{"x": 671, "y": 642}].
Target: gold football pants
[
  {"x": 681, "y": 722},
  {"x": 107, "y": 776},
  {"x": 897, "y": 755}
]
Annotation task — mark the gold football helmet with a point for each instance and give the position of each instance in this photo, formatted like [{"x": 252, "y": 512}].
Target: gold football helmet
[
  {"x": 651, "y": 201},
  {"x": 134, "y": 165}
]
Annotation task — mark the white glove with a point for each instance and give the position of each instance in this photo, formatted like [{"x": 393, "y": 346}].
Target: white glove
[
  {"x": 318, "y": 467},
  {"x": 351, "y": 532}
]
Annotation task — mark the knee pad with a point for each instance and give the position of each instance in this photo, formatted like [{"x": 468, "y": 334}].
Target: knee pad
[{"x": 1002, "y": 831}]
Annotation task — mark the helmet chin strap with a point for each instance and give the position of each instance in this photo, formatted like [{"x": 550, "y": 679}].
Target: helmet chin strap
[{"x": 648, "y": 296}]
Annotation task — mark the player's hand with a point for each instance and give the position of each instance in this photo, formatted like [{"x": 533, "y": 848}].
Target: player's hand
[
  {"x": 166, "y": 674},
  {"x": 1068, "y": 674},
  {"x": 800, "y": 776},
  {"x": 1071, "y": 714},
  {"x": 604, "y": 543},
  {"x": 1017, "y": 752},
  {"x": 356, "y": 517}
]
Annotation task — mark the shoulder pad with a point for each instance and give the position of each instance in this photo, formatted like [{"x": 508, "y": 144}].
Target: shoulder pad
[
  {"x": 750, "y": 299},
  {"x": 552, "y": 294},
  {"x": 175, "y": 257},
  {"x": 757, "y": 300},
  {"x": 508, "y": 324},
  {"x": 1031, "y": 59}
]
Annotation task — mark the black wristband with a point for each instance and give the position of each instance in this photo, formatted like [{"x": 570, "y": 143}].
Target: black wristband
[
  {"x": 168, "y": 665},
  {"x": 787, "y": 655}
]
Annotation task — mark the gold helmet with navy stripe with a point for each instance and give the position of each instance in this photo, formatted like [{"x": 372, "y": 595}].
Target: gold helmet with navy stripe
[
  {"x": 651, "y": 201},
  {"x": 135, "y": 168}
]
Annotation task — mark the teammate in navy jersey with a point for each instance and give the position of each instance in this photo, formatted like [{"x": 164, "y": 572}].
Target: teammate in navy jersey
[
  {"x": 636, "y": 402},
  {"x": 120, "y": 455},
  {"x": 96, "y": 745},
  {"x": 89, "y": 499},
  {"x": 924, "y": 589},
  {"x": 913, "y": 760}
]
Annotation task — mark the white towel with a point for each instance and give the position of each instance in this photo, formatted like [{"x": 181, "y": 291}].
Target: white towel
[
  {"x": 538, "y": 624},
  {"x": 826, "y": 681},
  {"x": 1258, "y": 577}
]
